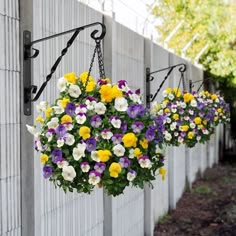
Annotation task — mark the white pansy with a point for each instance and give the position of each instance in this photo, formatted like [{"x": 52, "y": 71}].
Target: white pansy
[
  {"x": 173, "y": 110},
  {"x": 58, "y": 110},
  {"x": 163, "y": 105},
  {"x": 193, "y": 103},
  {"x": 171, "y": 96},
  {"x": 131, "y": 176},
  {"x": 100, "y": 108},
  {"x": 49, "y": 135},
  {"x": 74, "y": 91},
  {"x": 118, "y": 150},
  {"x": 78, "y": 152},
  {"x": 90, "y": 104},
  {"x": 80, "y": 109},
  {"x": 42, "y": 106},
  {"x": 183, "y": 105},
  {"x": 106, "y": 135},
  {"x": 80, "y": 118},
  {"x": 31, "y": 129},
  {"x": 38, "y": 145},
  {"x": 164, "y": 93},
  {"x": 121, "y": 104},
  {"x": 68, "y": 173},
  {"x": 94, "y": 156},
  {"x": 61, "y": 164},
  {"x": 85, "y": 168},
  {"x": 145, "y": 163},
  {"x": 176, "y": 134},
  {"x": 69, "y": 139},
  {"x": 167, "y": 136},
  {"x": 160, "y": 112},
  {"x": 61, "y": 84},
  {"x": 205, "y": 131},
  {"x": 191, "y": 112},
  {"x": 131, "y": 153},
  {"x": 180, "y": 139},
  {"x": 173, "y": 126},
  {"x": 60, "y": 142},
  {"x": 53, "y": 123},
  {"x": 69, "y": 126},
  {"x": 116, "y": 123},
  {"x": 93, "y": 179},
  {"x": 186, "y": 118},
  {"x": 199, "y": 138},
  {"x": 168, "y": 120},
  {"x": 192, "y": 125},
  {"x": 135, "y": 98}
]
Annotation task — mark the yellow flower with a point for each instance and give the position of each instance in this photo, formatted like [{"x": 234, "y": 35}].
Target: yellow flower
[
  {"x": 219, "y": 110},
  {"x": 177, "y": 92},
  {"x": 190, "y": 135},
  {"x": 162, "y": 172},
  {"x": 84, "y": 132},
  {"x": 106, "y": 81},
  {"x": 167, "y": 110},
  {"x": 71, "y": 77},
  {"x": 104, "y": 155},
  {"x": 168, "y": 90},
  {"x": 115, "y": 169},
  {"x": 188, "y": 97},
  {"x": 200, "y": 126},
  {"x": 175, "y": 116},
  {"x": 216, "y": 118},
  {"x": 116, "y": 92},
  {"x": 205, "y": 122},
  {"x": 90, "y": 86},
  {"x": 39, "y": 119},
  {"x": 197, "y": 120},
  {"x": 64, "y": 102},
  {"x": 66, "y": 119},
  {"x": 144, "y": 143},
  {"x": 106, "y": 93},
  {"x": 83, "y": 77},
  {"x": 184, "y": 128},
  {"x": 48, "y": 112},
  {"x": 213, "y": 96},
  {"x": 44, "y": 158},
  {"x": 129, "y": 140},
  {"x": 137, "y": 152}
]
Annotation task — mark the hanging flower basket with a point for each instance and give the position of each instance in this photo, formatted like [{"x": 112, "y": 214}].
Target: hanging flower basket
[{"x": 97, "y": 134}]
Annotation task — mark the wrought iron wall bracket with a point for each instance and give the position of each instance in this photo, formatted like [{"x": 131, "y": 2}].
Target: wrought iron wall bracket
[
  {"x": 191, "y": 84},
  {"x": 30, "y": 53},
  {"x": 149, "y": 78}
]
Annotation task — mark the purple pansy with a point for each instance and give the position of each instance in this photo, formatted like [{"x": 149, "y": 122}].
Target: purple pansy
[
  {"x": 116, "y": 138},
  {"x": 137, "y": 127},
  {"x": 94, "y": 173},
  {"x": 56, "y": 155},
  {"x": 60, "y": 130},
  {"x": 121, "y": 83},
  {"x": 70, "y": 109},
  {"x": 123, "y": 127},
  {"x": 47, "y": 171},
  {"x": 100, "y": 167},
  {"x": 133, "y": 111},
  {"x": 150, "y": 133},
  {"x": 124, "y": 162},
  {"x": 91, "y": 144},
  {"x": 96, "y": 121}
]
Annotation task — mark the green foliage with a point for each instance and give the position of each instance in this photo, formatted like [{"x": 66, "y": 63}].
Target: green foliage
[{"x": 202, "y": 189}]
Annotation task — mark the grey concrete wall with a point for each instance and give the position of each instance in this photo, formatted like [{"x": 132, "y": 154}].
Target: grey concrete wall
[{"x": 10, "y": 191}]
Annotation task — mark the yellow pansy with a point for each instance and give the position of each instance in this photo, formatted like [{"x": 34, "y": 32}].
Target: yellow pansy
[
  {"x": 115, "y": 169},
  {"x": 216, "y": 118},
  {"x": 39, "y": 119},
  {"x": 184, "y": 128},
  {"x": 162, "y": 172},
  {"x": 177, "y": 92},
  {"x": 44, "y": 158},
  {"x": 168, "y": 90},
  {"x": 197, "y": 120},
  {"x": 104, "y": 155},
  {"x": 84, "y": 77},
  {"x": 48, "y": 112},
  {"x": 106, "y": 93},
  {"x": 116, "y": 92},
  {"x": 90, "y": 86},
  {"x": 84, "y": 132},
  {"x": 137, "y": 152},
  {"x": 71, "y": 77},
  {"x": 176, "y": 116},
  {"x": 63, "y": 102},
  {"x": 144, "y": 143},
  {"x": 205, "y": 122},
  {"x": 213, "y": 96},
  {"x": 130, "y": 140},
  {"x": 66, "y": 119},
  {"x": 190, "y": 135},
  {"x": 167, "y": 110},
  {"x": 219, "y": 110},
  {"x": 188, "y": 97}
]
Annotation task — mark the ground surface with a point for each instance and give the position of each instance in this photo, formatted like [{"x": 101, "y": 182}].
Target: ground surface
[{"x": 208, "y": 209}]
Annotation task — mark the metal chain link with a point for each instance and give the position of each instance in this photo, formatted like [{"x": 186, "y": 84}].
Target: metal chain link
[{"x": 100, "y": 60}]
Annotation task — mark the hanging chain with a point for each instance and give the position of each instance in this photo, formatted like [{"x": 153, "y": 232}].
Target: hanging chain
[{"x": 100, "y": 60}]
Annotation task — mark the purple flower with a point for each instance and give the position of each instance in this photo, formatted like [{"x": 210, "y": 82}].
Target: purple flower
[
  {"x": 91, "y": 144},
  {"x": 56, "y": 155},
  {"x": 96, "y": 121},
  {"x": 137, "y": 127},
  {"x": 100, "y": 167},
  {"x": 116, "y": 138},
  {"x": 94, "y": 173},
  {"x": 124, "y": 162},
  {"x": 121, "y": 83},
  {"x": 52, "y": 131},
  {"x": 141, "y": 110},
  {"x": 47, "y": 171},
  {"x": 123, "y": 127},
  {"x": 70, "y": 109},
  {"x": 183, "y": 134},
  {"x": 201, "y": 114},
  {"x": 102, "y": 82},
  {"x": 60, "y": 130},
  {"x": 150, "y": 133},
  {"x": 137, "y": 91},
  {"x": 133, "y": 111},
  {"x": 200, "y": 106},
  {"x": 90, "y": 98}
]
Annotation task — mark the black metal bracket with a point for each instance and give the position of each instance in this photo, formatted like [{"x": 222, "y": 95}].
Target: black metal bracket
[
  {"x": 191, "y": 84},
  {"x": 30, "y": 89},
  {"x": 150, "y": 97}
]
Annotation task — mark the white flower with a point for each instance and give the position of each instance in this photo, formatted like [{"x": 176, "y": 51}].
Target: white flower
[
  {"x": 168, "y": 136},
  {"x": 38, "y": 145},
  {"x": 68, "y": 173},
  {"x": 173, "y": 126},
  {"x": 164, "y": 93},
  {"x": 205, "y": 131},
  {"x": 90, "y": 104},
  {"x": 186, "y": 117},
  {"x": 131, "y": 176},
  {"x": 199, "y": 138},
  {"x": 183, "y": 105},
  {"x": 168, "y": 120},
  {"x": 53, "y": 123},
  {"x": 131, "y": 153},
  {"x": 94, "y": 179},
  {"x": 176, "y": 134},
  {"x": 163, "y": 105},
  {"x": 192, "y": 125},
  {"x": 121, "y": 104},
  {"x": 160, "y": 112},
  {"x": 81, "y": 118},
  {"x": 31, "y": 129},
  {"x": 145, "y": 163},
  {"x": 61, "y": 164},
  {"x": 74, "y": 91},
  {"x": 60, "y": 142},
  {"x": 78, "y": 151},
  {"x": 118, "y": 150},
  {"x": 94, "y": 156},
  {"x": 61, "y": 84},
  {"x": 191, "y": 112},
  {"x": 69, "y": 139},
  {"x": 80, "y": 109},
  {"x": 116, "y": 123},
  {"x": 173, "y": 110},
  {"x": 180, "y": 139},
  {"x": 85, "y": 168},
  {"x": 193, "y": 103},
  {"x": 58, "y": 110},
  {"x": 106, "y": 134},
  {"x": 100, "y": 108},
  {"x": 42, "y": 106},
  {"x": 69, "y": 126},
  {"x": 171, "y": 96},
  {"x": 135, "y": 98},
  {"x": 49, "y": 135}
]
